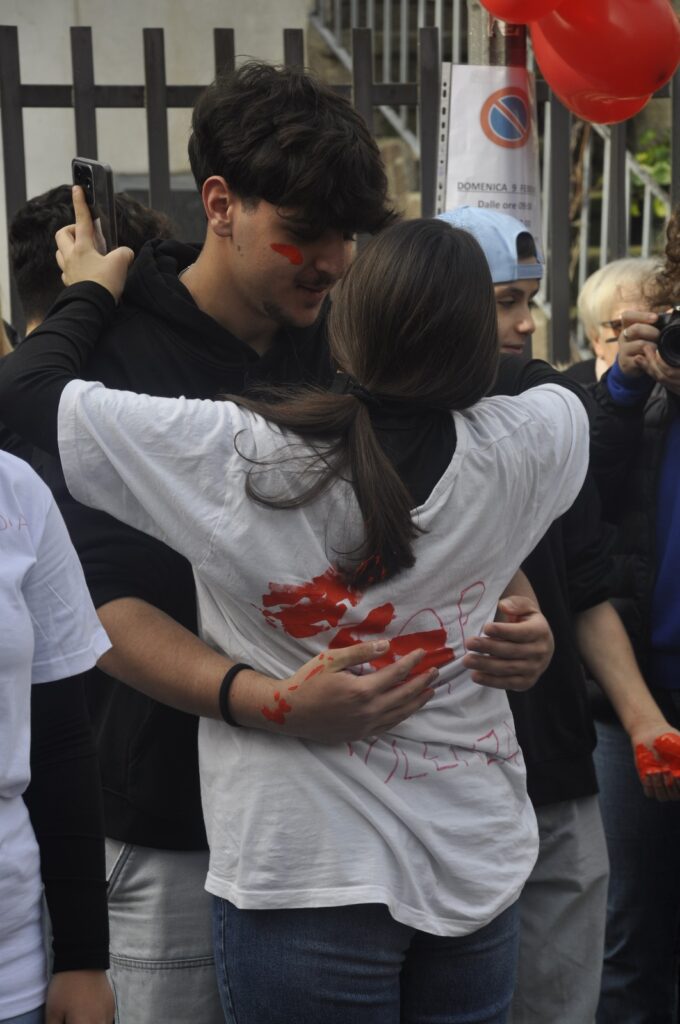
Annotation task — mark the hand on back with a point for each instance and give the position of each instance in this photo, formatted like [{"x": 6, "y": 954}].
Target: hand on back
[
  {"x": 327, "y": 702},
  {"x": 514, "y": 651}
]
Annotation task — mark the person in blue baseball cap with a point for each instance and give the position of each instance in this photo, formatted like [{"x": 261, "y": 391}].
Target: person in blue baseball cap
[{"x": 516, "y": 266}]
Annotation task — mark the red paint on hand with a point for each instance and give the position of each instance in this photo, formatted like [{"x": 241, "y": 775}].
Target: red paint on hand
[
  {"x": 314, "y": 672},
  {"x": 668, "y": 745},
  {"x": 290, "y": 252},
  {"x": 646, "y": 763},
  {"x": 432, "y": 641},
  {"x": 664, "y": 761},
  {"x": 278, "y": 713}
]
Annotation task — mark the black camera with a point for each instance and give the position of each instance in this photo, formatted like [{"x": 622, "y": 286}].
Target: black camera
[{"x": 669, "y": 339}]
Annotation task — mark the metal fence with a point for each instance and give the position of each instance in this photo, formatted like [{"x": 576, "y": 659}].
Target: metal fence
[
  {"x": 156, "y": 97},
  {"x": 394, "y": 65},
  {"x": 580, "y": 232}
]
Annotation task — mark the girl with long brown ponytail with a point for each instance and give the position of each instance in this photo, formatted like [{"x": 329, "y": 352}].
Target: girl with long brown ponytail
[{"x": 372, "y": 881}]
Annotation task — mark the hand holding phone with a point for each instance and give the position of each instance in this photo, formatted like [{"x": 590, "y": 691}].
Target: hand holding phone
[
  {"x": 80, "y": 260},
  {"x": 96, "y": 181}
]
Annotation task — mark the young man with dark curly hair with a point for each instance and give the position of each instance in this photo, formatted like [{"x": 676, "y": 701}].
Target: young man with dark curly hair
[{"x": 287, "y": 172}]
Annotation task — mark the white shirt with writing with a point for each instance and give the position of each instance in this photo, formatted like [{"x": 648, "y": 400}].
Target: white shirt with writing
[{"x": 432, "y": 819}]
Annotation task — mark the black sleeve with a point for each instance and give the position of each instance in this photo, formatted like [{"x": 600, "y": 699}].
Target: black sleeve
[
  {"x": 588, "y": 543},
  {"x": 516, "y": 375},
  {"x": 616, "y": 432},
  {"x": 33, "y": 377},
  {"x": 64, "y": 803}
]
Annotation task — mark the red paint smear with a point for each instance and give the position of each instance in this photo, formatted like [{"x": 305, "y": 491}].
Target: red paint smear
[
  {"x": 666, "y": 762},
  {"x": 291, "y": 253},
  {"x": 668, "y": 746},
  {"x": 277, "y": 714},
  {"x": 319, "y": 605},
  {"x": 646, "y": 763},
  {"x": 296, "y": 687},
  {"x": 432, "y": 641},
  {"x": 314, "y": 672},
  {"x": 309, "y": 608},
  {"x": 377, "y": 621}
]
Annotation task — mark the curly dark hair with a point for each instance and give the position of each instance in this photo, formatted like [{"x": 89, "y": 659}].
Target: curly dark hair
[
  {"x": 667, "y": 282},
  {"x": 32, "y": 247},
  {"x": 278, "y": 134}
]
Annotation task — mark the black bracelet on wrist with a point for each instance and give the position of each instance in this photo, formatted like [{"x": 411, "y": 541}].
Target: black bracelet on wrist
[{"x": 224, "y": 693}]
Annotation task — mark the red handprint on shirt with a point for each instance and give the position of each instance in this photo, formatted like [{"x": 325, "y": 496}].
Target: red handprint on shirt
[{"x": 323, "y": 603}]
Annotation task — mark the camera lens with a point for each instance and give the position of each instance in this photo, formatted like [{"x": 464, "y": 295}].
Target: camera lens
[{"x": 669, "y": 341}]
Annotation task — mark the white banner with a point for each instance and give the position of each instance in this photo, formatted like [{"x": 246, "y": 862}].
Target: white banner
[{"x": 489, "y": 149}]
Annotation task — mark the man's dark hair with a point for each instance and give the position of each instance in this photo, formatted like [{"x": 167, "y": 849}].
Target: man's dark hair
[
  {"x": 278, "y": 134},
  {"x": 32, "y": 247}
]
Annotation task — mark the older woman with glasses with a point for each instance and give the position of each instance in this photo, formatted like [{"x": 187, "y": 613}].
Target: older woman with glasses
[{"x": 619, "y": 285}]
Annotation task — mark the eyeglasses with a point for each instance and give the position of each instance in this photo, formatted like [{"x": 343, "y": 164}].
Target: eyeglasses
[{"x": 614, "y": 325}]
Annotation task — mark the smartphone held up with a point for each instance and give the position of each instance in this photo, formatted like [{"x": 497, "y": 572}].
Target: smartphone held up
[{"x": 96, "y": 181}]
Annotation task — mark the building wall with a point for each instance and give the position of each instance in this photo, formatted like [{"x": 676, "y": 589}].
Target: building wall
[{"x": 45, "y": 58}]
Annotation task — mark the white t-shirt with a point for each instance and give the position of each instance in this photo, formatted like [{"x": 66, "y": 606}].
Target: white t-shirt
[
  {"x": 48, "y": 630},
  {"x": 432, "y": 820}
]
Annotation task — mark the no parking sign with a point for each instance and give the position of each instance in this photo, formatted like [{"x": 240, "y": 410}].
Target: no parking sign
[{"x": 488, "y": 142}]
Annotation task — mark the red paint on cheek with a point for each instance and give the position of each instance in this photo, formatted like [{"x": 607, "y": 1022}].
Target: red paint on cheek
[{"x": 290, "y": 252}]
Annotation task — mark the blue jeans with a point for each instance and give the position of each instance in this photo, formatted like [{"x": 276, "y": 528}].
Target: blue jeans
[
  {"x": 336, "y": 965},
  {"x": 32, "y": 1017},
  {"x": 639, "y": 979}
]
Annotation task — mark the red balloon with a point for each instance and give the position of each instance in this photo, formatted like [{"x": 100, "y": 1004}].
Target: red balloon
[
  {"x": 601, "y": 109},
  {"x": 622, "y": 47},
  {"x": 579, "y": 94},
  {"x": 521, "y": 12}
]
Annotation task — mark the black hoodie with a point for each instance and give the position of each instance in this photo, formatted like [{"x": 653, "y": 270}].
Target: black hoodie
[{"x": 161, "y": 343}]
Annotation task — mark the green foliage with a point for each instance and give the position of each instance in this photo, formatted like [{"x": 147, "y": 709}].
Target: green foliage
[{"x": 655, "y": 155}]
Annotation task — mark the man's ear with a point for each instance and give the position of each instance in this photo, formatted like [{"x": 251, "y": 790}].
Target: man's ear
[{"x": 218, "y": 203}]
